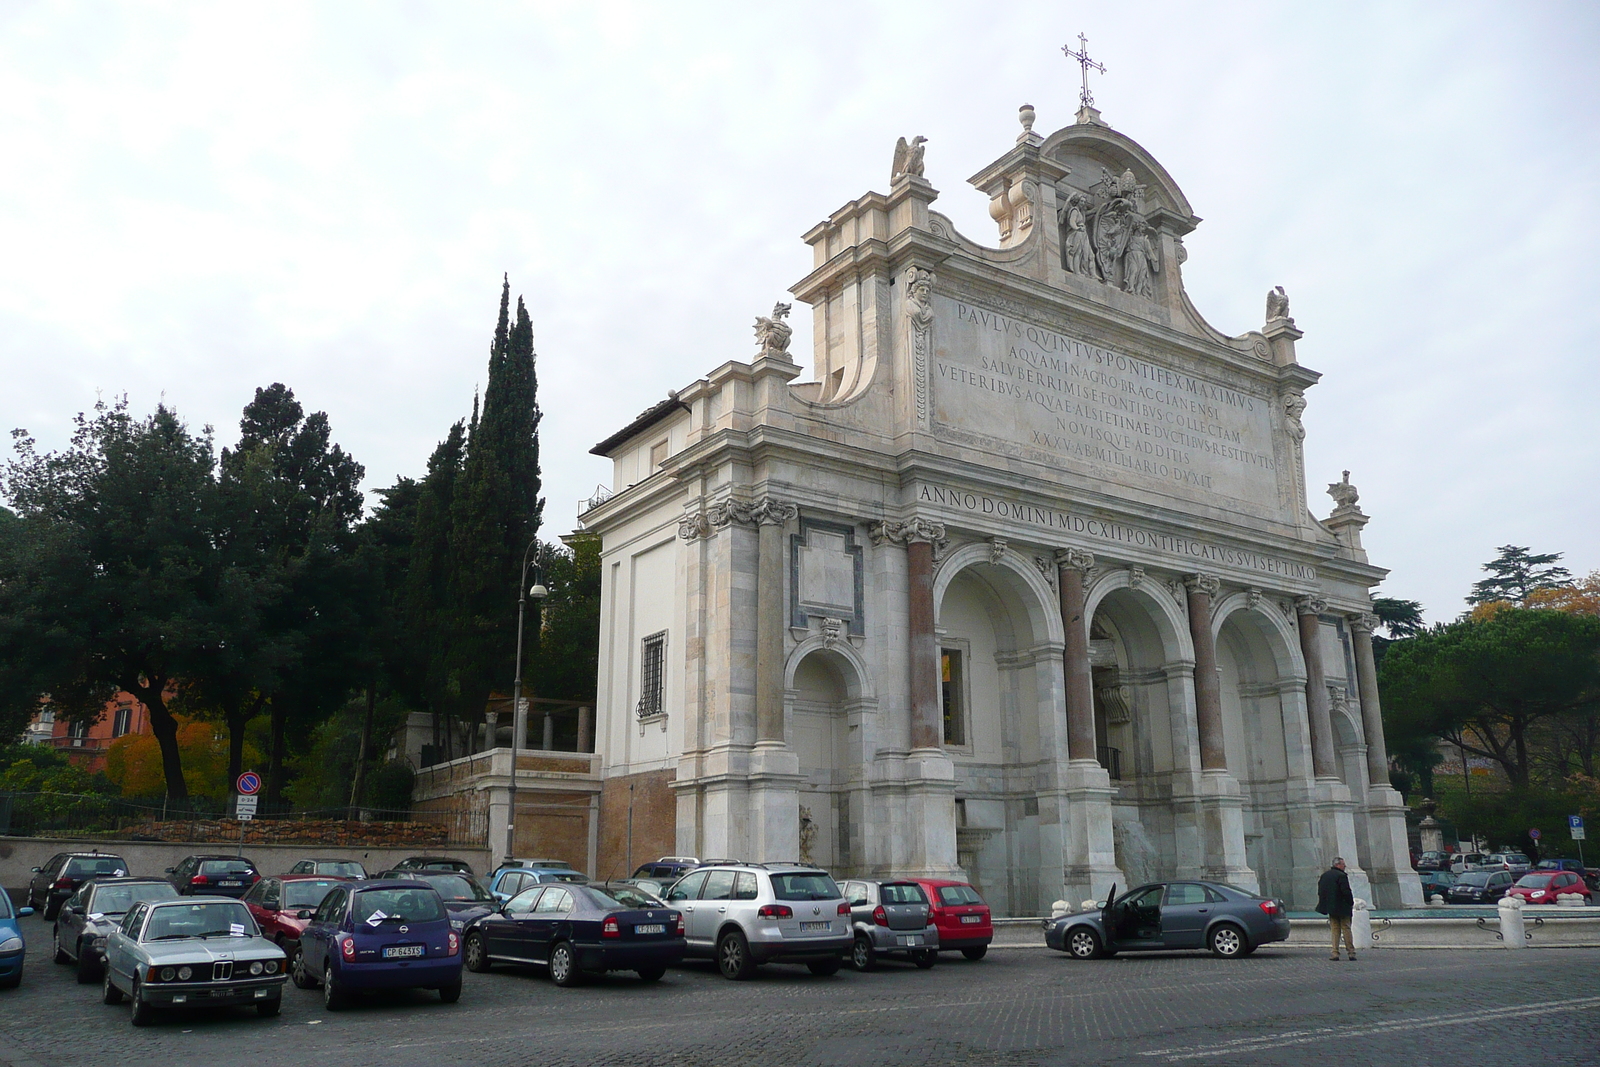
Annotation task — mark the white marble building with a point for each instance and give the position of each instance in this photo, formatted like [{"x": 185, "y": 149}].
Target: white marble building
[{"x": 1024, "y": 585}]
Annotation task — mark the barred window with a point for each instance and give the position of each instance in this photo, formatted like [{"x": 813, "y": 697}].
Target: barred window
[{"x": 651, "y": 675}]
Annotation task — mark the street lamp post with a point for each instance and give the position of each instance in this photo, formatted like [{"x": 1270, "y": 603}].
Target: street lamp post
[{"x": 519, "y": 718}]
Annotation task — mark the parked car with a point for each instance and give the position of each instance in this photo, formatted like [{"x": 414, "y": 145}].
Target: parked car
[
  {"x": 1436, "y": 882},
  {"x": 66, "y": 871},
  {"x": 463, "y": 895},
  {"x": 577, "y": 930},
  {"x": 964, "y": 921},
  {"x": 200, "y": 952},
  {"x": 632, "y": 894},
  {"x": 541, "y": 864},
  {"x": 222, "y": 876},
  {"x": 1559, "y": 865},
  {"x": 388, "y": 934},
  {"x": 1463, "y": 862},
  {"x": 1480, "y": 887},
  {"x": 282, "y": 906},
  {"x": 332, "y": 868},
  {"x": 890, "y": 919},
  {"x": 86, "y": 919},
  {"x": 1544, "y": 887},
  {"x": 435, "y": 863},
  {"x": 1515, "y": 862},
  {"x": 1172, "y": 915},
  {"x": 667, "y": 869},
  {"x": 13, "y": 946},
  {"x": 745, "y": 914},
  {"x": 1433, "y": 861},
  {"x": 655, "y": 887},
  {"x": 507, "y": 882}
]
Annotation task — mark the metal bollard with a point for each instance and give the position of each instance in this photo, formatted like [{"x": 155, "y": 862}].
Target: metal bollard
[{"x": 1511, "y": 925}]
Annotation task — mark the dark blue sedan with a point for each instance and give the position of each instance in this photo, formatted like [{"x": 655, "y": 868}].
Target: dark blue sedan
[
  {"x": 1229, "y": 921},
  {"x": 379, "y": 935},
  {"x": 576, "y": 930}
]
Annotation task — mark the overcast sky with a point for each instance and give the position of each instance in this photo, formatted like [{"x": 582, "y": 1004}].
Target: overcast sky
[{"x": 199, "y": 199}]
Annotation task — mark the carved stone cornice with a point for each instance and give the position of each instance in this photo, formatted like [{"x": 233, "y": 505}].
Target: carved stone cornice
[
  {"x": 763, "y": 512},
  {"x": 1363, "y": 622},
  {"x": 1310, "y": 605},
  {"x": 1205, "y": 584},
  {"x": 1074, "y": 559}
]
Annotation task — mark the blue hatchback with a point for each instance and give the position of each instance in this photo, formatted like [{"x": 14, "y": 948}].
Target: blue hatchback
[
  {"x": 390, "y": 934},
  {"x": 12, "y": 948}
]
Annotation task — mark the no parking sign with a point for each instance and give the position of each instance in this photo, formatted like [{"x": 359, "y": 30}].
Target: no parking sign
[{"x": 249, "y": 783}]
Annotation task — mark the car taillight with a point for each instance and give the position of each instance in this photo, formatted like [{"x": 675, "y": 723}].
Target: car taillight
[
  {"x": 348, "y": 948},
  {"x": 454, "y": 943},
  {"x": 610, "y": 928},
  {"x": 773, "y": 911},
  {"x": 199, "y": 879},
  {"x": 1270, "y": 907},
  {"x": 880, "y": 916},
  {"x": 62, "y": 883},
  {"x": 680, "y": 925},
  {"x": 844, "y": 908}
]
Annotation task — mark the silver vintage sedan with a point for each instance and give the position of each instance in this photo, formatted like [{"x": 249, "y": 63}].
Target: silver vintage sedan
[{"x": 194, "y": 952}]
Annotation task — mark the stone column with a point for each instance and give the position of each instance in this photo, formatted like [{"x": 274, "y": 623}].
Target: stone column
[
  {"x": 927, "y": 728},
  {"x": 770, "y": 517},
  {"x": 1071, "y": 563},
  {"x": 585, "y": 729},
  {"x": 1394, "y": 882},
  {"x": 1323, "y": 764},
  {"x": 1202, "y": 589},
  {"x": 1361, "y": 625}
]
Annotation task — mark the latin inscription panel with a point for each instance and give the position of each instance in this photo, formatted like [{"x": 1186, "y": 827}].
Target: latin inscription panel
[{"x": 1020, "y": 388}]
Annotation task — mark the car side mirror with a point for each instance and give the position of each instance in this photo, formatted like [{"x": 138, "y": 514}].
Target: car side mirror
[
  {"x": 35, "y": 870},
  {"x": 23, "y": 913},
  {"x": 304, "y": 913},
  {"x": 169, "y": 870}
]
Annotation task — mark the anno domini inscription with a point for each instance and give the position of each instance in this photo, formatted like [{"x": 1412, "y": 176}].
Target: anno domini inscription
[{"x": 1010, "y": 383}]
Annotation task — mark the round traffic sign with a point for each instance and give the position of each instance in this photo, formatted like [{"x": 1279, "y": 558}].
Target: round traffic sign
[
  {"x": 249, "y": 783},
  {"x": 1534, "y": 834}
]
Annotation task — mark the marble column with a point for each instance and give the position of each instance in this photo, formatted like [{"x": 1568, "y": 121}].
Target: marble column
[
  {"x": 1361, "y": 625},
  {"x": 1310, "y": 611},
  {"x": 1394, "y": 882},
  {"x": 1071, "y": 563},
  {"x": 927, "y": 728},
  {"x": 1202, "y": 589},
  {"x": 585, "y": 729},
  {"x": 770, "y": 517}
]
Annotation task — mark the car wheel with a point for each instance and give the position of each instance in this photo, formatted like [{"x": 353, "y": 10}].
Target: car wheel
[
  {"x": 925, "y": 959},
  {"x": 823, "y": 968},
  {"x": 564, "y": 966},
  {"x": 733, "y": 956},
  {"x": 862, "y": 956},
  {"x": 1083, "y": 943},
  {"x": 88, "y": 969},
  {"x": 142, "y": 1012},
  {"x": 1227, "y": 941},
  {"x": 651, "y": 974},
  {"x": 334, "y": 998},
  {"x": 298, "y": 974},
  {"x": 977, "y": 952},
  {"x": 450, "y": 993},
  {"x": 477, "y": 958},
  {"x": 268, "y": 1008},
  {"x": 55, "y": 943},
  {"x": 109, "y": 993}
]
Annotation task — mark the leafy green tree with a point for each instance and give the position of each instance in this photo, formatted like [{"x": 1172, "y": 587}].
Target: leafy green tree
[
  {"x": 568, "y": 657},
  {"x": 1489, "y": 685},
  {"x": 108, "y": 575},
  {"x": 1515, "y": 573},
  {"x": 1402, "y": 618},
  {"x": 429, "y": 621}
]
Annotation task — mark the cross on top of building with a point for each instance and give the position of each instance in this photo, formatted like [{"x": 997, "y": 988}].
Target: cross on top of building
[{"x": 1085, "y": 97}]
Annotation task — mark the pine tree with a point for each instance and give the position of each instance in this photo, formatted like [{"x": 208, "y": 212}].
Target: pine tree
[{"x": 1515, "y": 573}]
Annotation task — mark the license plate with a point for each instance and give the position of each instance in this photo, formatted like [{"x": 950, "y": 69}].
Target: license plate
[
  {"x": 810, "y": 928},
  {"x": 971, "y": 918},
  {"x": 400, "y": 952},
  {"x": 650, "y": 928},
  {"x": 911, "y": 939},
  {"x": 231, "y": 884}
]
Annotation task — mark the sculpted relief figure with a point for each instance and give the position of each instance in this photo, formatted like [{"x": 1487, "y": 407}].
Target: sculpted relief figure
[
  {"x": 1344, "y": 494},
  {"x": 773, "y": 334},
  {"x": 1294, "y": 405},
  {"x": 907, "y": 158},
  {"x": 919, "y": 298},
  {"x": 1104, "y": 234},
  {"x": 1076, "y": 253},
  {"x": 1140, "y": 264}
]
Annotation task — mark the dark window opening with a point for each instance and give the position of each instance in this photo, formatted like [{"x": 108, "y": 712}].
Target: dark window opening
[
  {"x": 651, "y": 676},
  {"x": 950, "y": 686}
]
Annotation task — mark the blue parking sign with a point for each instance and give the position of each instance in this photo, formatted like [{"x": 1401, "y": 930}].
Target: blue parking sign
[{"x": 1575, "y": 822}]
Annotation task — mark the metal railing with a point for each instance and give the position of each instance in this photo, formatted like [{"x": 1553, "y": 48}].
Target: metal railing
[{"x": 1111, "y": 759}]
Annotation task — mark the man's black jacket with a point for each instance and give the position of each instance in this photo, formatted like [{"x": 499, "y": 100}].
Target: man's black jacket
[{"x": 1334, "y": 898}]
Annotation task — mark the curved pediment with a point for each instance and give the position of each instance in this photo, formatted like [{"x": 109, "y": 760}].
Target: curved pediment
[{"x": 1095, "y": 155}]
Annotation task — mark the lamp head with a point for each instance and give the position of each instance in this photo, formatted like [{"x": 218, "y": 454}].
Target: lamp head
[{"x": 538, "y": 592}]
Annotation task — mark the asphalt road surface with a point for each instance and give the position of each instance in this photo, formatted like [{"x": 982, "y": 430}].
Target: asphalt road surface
[{"x": 1016, "y": 1007}]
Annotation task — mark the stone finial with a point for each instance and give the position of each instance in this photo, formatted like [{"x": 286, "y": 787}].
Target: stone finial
[
  {"x": 1026, "y": 115},
  {"x": 907, "y": 159},
  {"x": 1310, "y": 605},
  {"x": 1344, "y": 494},
  {"x": 1206, "y": 584},
  {"x": 773, "y": 334},
  {"x": 1074, "y": 559}
]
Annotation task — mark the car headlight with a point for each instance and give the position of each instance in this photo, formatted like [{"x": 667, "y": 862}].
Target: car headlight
[
  {"x": 272, "y": 966},
  {"x": 456, "y": 924},
  {"x": 11, "y": 944},
  {"x": 184, "y": 973},
  {"x": 257, "y": 967},
  {"x": 167, "y": 974}
]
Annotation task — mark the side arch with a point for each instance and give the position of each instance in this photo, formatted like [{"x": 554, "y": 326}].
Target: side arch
[{"x": 1039, "y": 605}]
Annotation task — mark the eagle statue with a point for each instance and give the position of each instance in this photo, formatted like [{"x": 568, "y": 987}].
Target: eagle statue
[{"x": 907, "y": 158}]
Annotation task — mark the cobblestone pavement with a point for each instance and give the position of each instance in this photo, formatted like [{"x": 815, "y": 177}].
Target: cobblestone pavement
[{"x": 1016, "y": 1007}]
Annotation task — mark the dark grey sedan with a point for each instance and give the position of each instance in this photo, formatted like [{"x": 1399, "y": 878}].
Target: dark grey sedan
[
  {"x": 1164, "y": 916},
  {"x": 87, "y": 918}
]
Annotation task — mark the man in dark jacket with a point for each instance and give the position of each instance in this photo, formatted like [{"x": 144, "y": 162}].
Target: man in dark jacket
[{"x": 1335, "y": 900}]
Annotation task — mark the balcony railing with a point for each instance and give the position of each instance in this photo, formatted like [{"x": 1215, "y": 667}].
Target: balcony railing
[{"x": 1111, "y": 759}]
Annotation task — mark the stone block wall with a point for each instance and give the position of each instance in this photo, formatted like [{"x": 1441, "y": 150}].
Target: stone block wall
[{"x": 655, "y": 822}]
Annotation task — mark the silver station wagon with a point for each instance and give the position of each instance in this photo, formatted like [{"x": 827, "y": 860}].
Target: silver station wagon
[{"x": 194, "y": 952}]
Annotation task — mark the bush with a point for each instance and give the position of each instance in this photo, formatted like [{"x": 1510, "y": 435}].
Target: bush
[{"x": 389, "y": 787}]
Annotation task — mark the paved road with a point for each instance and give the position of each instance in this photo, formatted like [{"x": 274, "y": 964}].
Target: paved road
[{"x": 1017, "y": 1007}]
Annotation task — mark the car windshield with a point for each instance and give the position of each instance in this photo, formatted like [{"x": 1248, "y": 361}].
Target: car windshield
[
  {"x": 903, "y": 893},
  {"x": 1477, "y": 878},
  {"x": 1516, "y": 859},
  {"x": 215, "y": 918},
  {"x": 96, "y": 867},
  {"x": 227, "y": 867},
  {"x": 341, "y": 868},
  {"x": 306, "y": 894},
  {"x": 117, "y": 899},
  {"x": 419, "y": 905},
  {"x": 459, "y": 887},
  {"x": 1535, "y": 881},
  {"x": 625, "y": 896},
  {"x": 952, "y": 895},
  {"x": 804, "y": 885}
]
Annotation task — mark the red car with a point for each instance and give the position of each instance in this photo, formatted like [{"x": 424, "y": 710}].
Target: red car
[
  {"x": 1543, "y": 887},
  {"x": 282, "y": 906},
  {"x": 961, "y": 915}
]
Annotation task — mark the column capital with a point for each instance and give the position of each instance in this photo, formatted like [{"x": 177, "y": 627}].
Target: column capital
[
  {"x": 1310, "y": 605},
  {"x": 1074, "y": 559},
  {"x": 727, "y": 512},
  {"x": 771, "y": 512},
  {"x": 911, "y": 531},
  {"x": 1363, "y": 622},
  {"x": 1207, "y": 584},
  {"x": 694, "y": 525}
]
